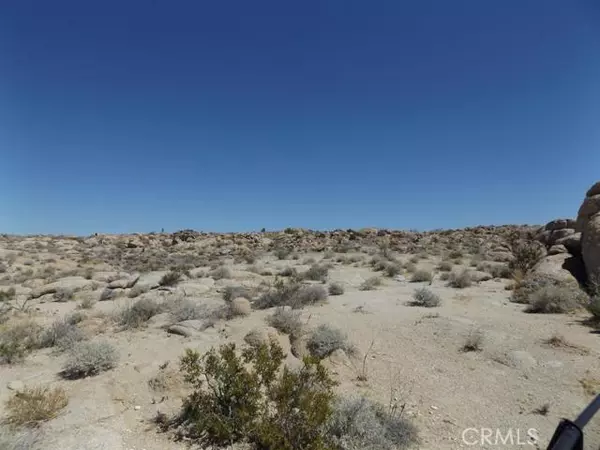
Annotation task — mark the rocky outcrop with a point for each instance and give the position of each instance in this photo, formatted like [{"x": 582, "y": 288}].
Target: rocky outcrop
[
  {"x": 560, "y": 236},
  {"x": 588, "y": 223}
]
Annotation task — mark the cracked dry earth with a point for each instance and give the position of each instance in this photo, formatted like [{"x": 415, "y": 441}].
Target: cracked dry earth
[{"x": 413, "y": 353}]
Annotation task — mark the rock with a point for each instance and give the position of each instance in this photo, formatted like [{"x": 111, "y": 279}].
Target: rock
[
  {"x": 588, "y": 222},
  {"x": 478, "y": 276},
  {"x": 241, "y": 307},
  {"x": 260, "y": 336},
  {"x": 572, "y": 243},
  {"x": 189, "y": 328},
  {"x": 107, "y": 277},
  {"x": 68, "y": 283},
  {"x": 151, "y": 279},
  {"x": 339, "y": 358},
  {"x": 161, "y": 320},
  {"x": 192, "y": 288},
  {"x": 563, "y": 267},
  {"x": 124, "y": 283},
  {"x": 557, "y": 249},
  {"x": 16, "y": 385}
]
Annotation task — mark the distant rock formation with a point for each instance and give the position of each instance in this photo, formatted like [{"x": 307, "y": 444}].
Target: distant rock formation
[{"x": 588, "y": 224}]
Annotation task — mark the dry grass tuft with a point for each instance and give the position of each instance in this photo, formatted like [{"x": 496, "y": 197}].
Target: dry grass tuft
[{"x": 35, "y": 405}]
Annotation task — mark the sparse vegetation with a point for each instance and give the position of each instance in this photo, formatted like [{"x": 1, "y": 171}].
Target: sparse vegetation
[
  {"x": 61, "y": 334},
  {"x": 316, "y": 273},
  {"x": 554, "y": 300},
  {"x": 460, "y": 280},
  {"x": 89, "y": 358},
  {"x": 17, "y": 339},
  {"x": 474, "y": 342},
  {"x": 231, "y": 292},
  {"x": 63, "y": 295},
  {"x": 136, "y": 314},
  {"x": 221, "y": 273},
  {"x": 327, "y": 339},
  {"x": 526, "y": 253},
  {"x": 34, "y": 405},
  {"x": 182, "y": 309},
  {"x": 425, "y": 297},
  {"x": 336, "y": 289},
  {"x": 421, "y": 275},
  {"x": 392, "y": 269},
  {"x": 86, "y": 303},
  {"x": 170, "y": 278},
  {"x": 292, "y": 294},
  {"x": 287, "y": 321},
  {"x": 445, "y": 266},
  {"x": 371, "y": 284},
  {"x": 358, "y": 423}
]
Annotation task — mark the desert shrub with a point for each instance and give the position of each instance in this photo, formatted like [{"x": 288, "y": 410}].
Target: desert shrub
[
  {"x": 248, "y": 399},
  {"x": 410, "y": 267},
  {"x": 554, "y": 300},
  {"x": 221, "y": 273},
  {"x": 474, "y": 342},
  {"x": 329, "y": 254},
  {"x": 455, "y": 254},
  {"x": 336, "y": 289},
  {"x": 289, "y": 272},
  {"x": 34, "y": 405},
  {"x": 61, "y": 334},
  {"x": 63, "y": 295},
  {"x": 421, "y": 276},
  {"x": 7, "y": 295},
  {"x": 524, "y": 287},
  {"x": 445, "y": 276},
  {"x": 185, "y": 309},
  {"x": 445, "y": 266},
  {"x": 425, "y": 297},
  {"x": 460, "y": 280},
  {"x": 392, "y": 269},
  {"x": 499, "y": 271},
  {"x": 316, "y": 273},
  {"x": 378, "y": 263},
  {"x": 231, "y": 292},
  {"x": 90, "y": 358},
  {"x": 282, "y": 253},
  {"x": 137, "y": 314},
  {"x": 292, "y": 294},
  {"x": 414, "y": 259},
  {"x": 360, "y": 424},
  {"x": 171, "y": 278},
  {"x": 370, "y": 284},
  {"x": 17, "y": 339},
  {"x": 526, "y": 253},
  {"x": 287, "y": 321},
  {"x": 326, "y": 339}
]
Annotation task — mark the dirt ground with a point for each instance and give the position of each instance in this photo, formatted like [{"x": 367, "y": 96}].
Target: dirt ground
[{"x": 411, "y": 355}]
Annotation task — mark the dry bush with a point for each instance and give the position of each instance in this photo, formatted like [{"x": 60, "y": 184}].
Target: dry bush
[
  {"x": 445, "y": 266},
  {"x": 61, "y": 334},
  {"x": 392, "y": 269},
  {"x": 360, "y": 424},
  {"x": 108, "y": 294},
  {"x": 136, "y": 314},
  {"x": 282, "y": 253},
  {"x": 474, "y": 342},
  {"x": 555, "y": 300},
  {"x": 526, "y": 253},
  {"x": 410, "y": 267},
  {"x": 288, "y": 272},
  {"x": 221, "y": 273},
  {"x": 370, "y": 284},
  {"x": 460, "y": 280},
  {"x": 336, "y": 289},
  {"x": 90, "y": 358},
  {"x": 316, "y": 273},
  {"x": 34, "y": 405},
  {"x": 86, "y": 303},
  {"x": 63, "y": 295},
  {"x": 170, "y": 278},
  {"x": 292, "y": 294},
  {"x": 231, "y": 292},
  {"x": 17, "y": 339},
  {"x": 185, "y": 309},
  {"x": 287, "y": 321},
  {"x": 425, "y": 297},
  {"x": 326, "y": 339},
  {"x": 421, "y": 276}
]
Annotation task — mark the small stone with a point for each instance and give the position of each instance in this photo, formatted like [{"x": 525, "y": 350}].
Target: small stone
[{"x": 137, "y": 407}]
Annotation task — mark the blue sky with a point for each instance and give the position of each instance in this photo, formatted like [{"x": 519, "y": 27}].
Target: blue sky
[{"x": 124, "y": 116}]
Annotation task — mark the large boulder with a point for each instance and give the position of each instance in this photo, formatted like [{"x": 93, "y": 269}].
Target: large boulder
[
  {"x": 556, "y": 233},
  {"x": 562, "y": 267},
  {"x": 588, "y": 223},
  {"x": 71, "y": 284}
]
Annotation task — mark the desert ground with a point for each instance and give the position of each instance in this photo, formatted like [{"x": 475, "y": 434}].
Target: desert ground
[{"x": 476, "y": 360}]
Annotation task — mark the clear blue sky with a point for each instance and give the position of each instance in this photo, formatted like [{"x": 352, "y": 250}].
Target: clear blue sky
[{"x": 123, "y": 116}]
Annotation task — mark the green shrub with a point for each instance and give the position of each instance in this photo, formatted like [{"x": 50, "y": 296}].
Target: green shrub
[
  {"x": 461, "y": 279},
  {"x": 425, "y": 297},
  {"x": 360, "y": 424},
  {"x": 555, "y": 300},
  {"x": 421, "y": 276},
  {"x": 170, "y": 278},
  {"x": 336, "y": 289},
  {"x": 90, "y": 358},
  {"x": 287, "y": 321},
  {"x": 327, "y": 339},
  {"x": 247, "y": 399}
]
